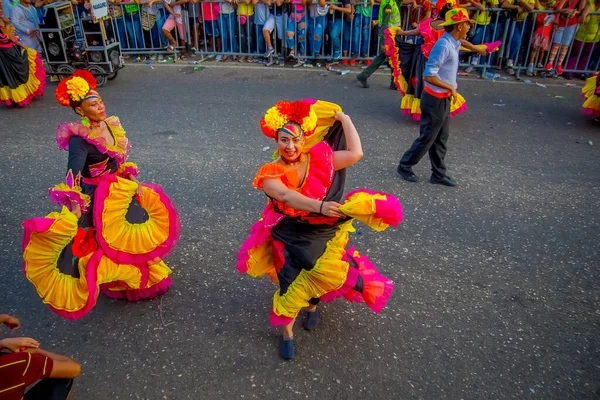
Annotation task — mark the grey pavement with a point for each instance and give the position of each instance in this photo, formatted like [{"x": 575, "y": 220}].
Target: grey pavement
[{"x": 497, "y": 280}]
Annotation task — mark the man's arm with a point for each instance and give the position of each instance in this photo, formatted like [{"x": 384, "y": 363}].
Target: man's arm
[{"x": 64, "y": 367}]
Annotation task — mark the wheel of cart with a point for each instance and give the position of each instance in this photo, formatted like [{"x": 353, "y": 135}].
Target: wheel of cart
[
  {"x": 113, "y": 75},
  {"x": 64, "y": 71},
  {"x": 99, "y": 73}
]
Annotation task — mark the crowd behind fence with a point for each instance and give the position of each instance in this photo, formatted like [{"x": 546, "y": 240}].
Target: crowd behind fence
[{"x": 542, "y": 40}]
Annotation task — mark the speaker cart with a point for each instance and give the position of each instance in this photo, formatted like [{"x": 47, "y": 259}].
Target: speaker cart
[{"x": 100, "y": 52}]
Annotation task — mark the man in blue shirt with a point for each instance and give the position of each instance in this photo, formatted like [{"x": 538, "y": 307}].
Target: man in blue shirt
[{"x": 440, "y": 87}]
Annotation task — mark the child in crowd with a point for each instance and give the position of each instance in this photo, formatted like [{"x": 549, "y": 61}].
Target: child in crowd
[
  {"x": 565, "y": 32},
  {"x": 174, "y": 19},
  {"x": 297, "y": 26},
  {"x": 210, "y": 20},
  {"x": 245, "y": 13},
  {"x": 542, "y": 34},
  {"x": 487, "y": 30},
  {"x": 275, "y": 20},
  {"x": 519, "y": 9}
]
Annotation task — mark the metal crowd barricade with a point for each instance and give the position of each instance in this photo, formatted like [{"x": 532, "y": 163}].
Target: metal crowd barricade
[{"x": 236, "y": 28}]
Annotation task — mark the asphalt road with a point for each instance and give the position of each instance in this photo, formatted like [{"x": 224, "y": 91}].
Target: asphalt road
[{"x": 497, "y": 280}]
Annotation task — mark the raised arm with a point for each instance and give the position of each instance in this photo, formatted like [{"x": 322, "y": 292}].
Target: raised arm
[
  {"x": 345, "y": 158},
  {"x": 275, "y": 189},
  {"x": 64, "y": 367}
]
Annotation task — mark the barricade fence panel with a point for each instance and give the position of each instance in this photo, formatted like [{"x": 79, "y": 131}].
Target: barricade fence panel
[{"x": 270, "y": 31}]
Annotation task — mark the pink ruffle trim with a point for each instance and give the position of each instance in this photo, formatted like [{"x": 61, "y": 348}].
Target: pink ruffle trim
[
  {"x": 259, "y": 233},
  {"x": 129, "y": 171},
  {"x": 68, "y": 129},
  {"x": 459, "y": 110},
  {"x": 64, "y": 198},
  {"x": 120, "y": 257},
  {"x": 277, "y": 320},
  {"x": 389, "y": 210},
  {"x": 152, "y": 292}
]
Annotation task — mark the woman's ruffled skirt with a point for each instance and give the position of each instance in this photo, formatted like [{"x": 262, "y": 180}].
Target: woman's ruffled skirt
[
  {"x": 22, "y": 75},
  {"x": 591, "y": 96},
  {"x": 337, "y": 271},
  {"x": 122, "y": 255},
  {"x": 408, "y": 64}
]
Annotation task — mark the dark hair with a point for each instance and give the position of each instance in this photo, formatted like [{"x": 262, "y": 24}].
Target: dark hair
[
  {"x": 444, "y": 10},
  {"x": 449, "y": 28}
]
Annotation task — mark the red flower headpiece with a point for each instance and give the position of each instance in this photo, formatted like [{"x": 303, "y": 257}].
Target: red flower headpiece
[
  {"x": 75, "y": 87},
  {"x": 441, "y": 3},
  {"x": 283, "y": 112}
]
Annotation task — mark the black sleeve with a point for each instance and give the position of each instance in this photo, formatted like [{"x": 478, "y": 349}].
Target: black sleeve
[{"x": 78, "y": 152}]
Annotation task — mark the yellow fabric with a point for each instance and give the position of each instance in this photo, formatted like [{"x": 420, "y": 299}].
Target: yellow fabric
[
  {"x": 589, "y": 31},
  {"x": 260, "y": 262},
  {"x": 484, "y": 17},
  {"x": 245, "y": 9},
  {"x": 325, "y": 119},
  {"x": 125, "y": 165},
  {"x": 328, "y": 274},
  {"x": 26, "y": 89},
  {"x": 590, "y": 87},
  {"x": 156, "y": 273},
  {"x": 119, "y": 134},
  {"x": 124, "y": 236},
  {"x": 59, "y": 290},
  {"x": 362, "y": 206}
]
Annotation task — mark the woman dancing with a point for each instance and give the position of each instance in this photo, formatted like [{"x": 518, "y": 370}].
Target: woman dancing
[
  {"x": 408, "y": 60},
  {"x": 22, "y": 74},
  {"x": 591, "y": 95},
  {"x": 112, "y": 232},
  {"x": 301, "y": 240}
]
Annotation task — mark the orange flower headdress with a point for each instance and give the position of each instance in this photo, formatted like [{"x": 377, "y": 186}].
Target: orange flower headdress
[
  {"x": 441, "y": 3},
  {"x": 78, "y": 87},
  {"x": 284, "y": 112}
]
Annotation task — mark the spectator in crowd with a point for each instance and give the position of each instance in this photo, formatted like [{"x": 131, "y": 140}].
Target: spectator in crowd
[
  {"x": 26, "y": 22},
  {"x": 133, "y": 24},
  {"x": 210, "y": 20},
  {"x": 228, "y": 27},
  {"x": 563, "y": 36},
  {"x": 542, "y": 34},
  {"x": 246, "y": 24},
  {"x": 486, "y": 31},
  {"x": 389, "y": 15},
  {"x": 296, "y": 28},
  {"x": 420, "y": 10},
  {"x": 174, "y": 19},
  {"x": 340, "y": 28},
  {"x": 519, "y": 11},
  {"x": 361, "y": 29},
  {"x": 275, "y": 20},
  {"x": 261, "y": 14},
  {"x": 152, "y": 21},
  {"x": 23, "y": 362},
  {"x": 317, "y": 26},
  {"x": 587, "y": 37},
  {"x": 115, "y": 12},
  {"x": 7, "y": 7}
]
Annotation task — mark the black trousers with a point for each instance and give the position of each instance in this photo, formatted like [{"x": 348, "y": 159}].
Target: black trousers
[
  {"x": 434, "y": 132},
  {"x": 50, "y": 389}
]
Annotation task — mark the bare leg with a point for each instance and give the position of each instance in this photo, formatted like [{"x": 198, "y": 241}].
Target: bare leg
[
  {"x": 267, "y": 36},
  {"x": 288, "y": 330},
  {"x": 170, "y": 37}
]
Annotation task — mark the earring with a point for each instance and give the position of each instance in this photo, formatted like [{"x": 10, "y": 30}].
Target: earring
[{"x": 85, "y": 121}]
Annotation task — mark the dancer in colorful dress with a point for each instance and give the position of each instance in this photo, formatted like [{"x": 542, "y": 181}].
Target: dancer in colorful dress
[
  {"x": 591, "y": 94},
  {"x": 301, "y": 240},
  {"x": 22, "y": 74},
  {"x": 112, "y": 232},
  {"x": 408, "y": 60}
]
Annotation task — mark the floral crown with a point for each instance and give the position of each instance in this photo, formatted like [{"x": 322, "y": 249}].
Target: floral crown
[
  {"x": 76, "y": 87},
  {"x": 442, "y": 3},
  {"x": 283, "y": 112}
]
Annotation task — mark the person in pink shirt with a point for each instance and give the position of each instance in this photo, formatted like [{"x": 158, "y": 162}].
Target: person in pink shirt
[{"x": 210, "y": 19}]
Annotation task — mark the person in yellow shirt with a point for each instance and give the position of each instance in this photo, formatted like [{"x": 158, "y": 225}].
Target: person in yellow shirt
[
  {"x": 519, "y": 11},
  {"x": 587, "y": 37},
  {"x": 245, "y": 14},
  {"x": 486, "y": 30}
]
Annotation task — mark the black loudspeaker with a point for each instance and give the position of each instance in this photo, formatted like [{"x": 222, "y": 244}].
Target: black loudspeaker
[
  {"x": 57, "y": 31},
  {"x": 54, "y": 47},
  {"x": 98, "y": 33},
  {"x": 109, "y": 56}
]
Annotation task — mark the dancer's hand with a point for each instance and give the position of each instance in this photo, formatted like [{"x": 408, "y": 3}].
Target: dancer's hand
[
  {"x": 483, "y": 51},
  {"x": 454, "y": 94},
  {"x": 14, "y": 344},
  {"x": 76, "y": 209},
  {"x": 332, "y": 209},
  {"x": 140, "y": 190},
  {"x": 11, "y": 322},
  {"x": 340, "y": 116}
]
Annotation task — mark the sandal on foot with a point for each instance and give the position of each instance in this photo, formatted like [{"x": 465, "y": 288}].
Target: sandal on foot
[{"x": 286, "y": 348}]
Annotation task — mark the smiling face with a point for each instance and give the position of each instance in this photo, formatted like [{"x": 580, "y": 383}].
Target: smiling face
[
  {"x": 93, "y": 108},
  {"x": 290, "y": 142}
]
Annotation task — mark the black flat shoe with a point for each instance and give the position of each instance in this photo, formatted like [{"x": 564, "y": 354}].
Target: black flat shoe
[
  {"x": 446, "y": 181},
  {"x": 407, "y": 174},
  {"x": 286, "y": 348},
  {"x": 312, "y": 320},
  {"x": 363, "y": 80}
]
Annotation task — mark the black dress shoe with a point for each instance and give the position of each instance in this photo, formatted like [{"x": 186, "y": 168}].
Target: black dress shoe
[
  {"x": 446, "y": 181},
  {"x": 363, "y": 80},
  {"x": 407, "y": 174}
]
